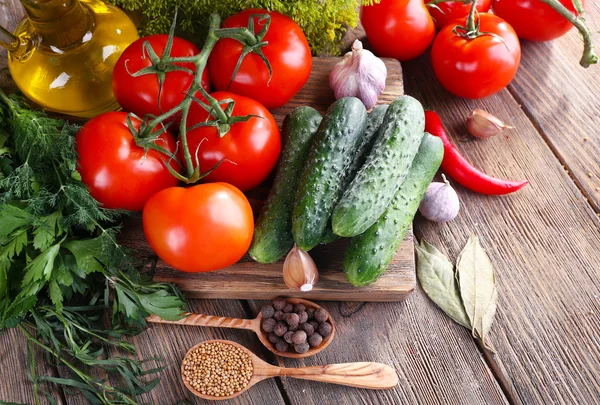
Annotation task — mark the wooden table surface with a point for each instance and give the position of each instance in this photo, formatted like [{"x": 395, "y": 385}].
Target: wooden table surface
[{"x": 544, "y": 242}]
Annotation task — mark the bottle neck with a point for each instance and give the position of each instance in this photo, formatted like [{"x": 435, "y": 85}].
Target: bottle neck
[{"x": 59, "y": 23}]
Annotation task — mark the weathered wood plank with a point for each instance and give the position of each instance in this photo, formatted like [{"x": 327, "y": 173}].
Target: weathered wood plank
[
  {"x": 10, "y": 14},
  {"x": 563, "y": 100},
  {"x": 436, "y": 362},
  {"x": 544, "y": 242}
]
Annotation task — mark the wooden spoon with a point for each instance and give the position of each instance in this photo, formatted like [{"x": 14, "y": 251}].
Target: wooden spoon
[
  {"x": 253, "y": 325},
  {"x": 360, "y": 374}
]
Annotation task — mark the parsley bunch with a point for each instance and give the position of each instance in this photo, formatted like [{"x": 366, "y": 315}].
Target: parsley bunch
[{"x": 64, "y": 279}]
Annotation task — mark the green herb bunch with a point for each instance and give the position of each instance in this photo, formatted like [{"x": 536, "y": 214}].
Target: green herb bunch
[
  {"x": 65, "y": 281},
  {"x": 323, "y": 22}
]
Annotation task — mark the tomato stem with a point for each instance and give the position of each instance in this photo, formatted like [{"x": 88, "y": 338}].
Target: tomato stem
[
  {"x": 471, "y": 26},
  {"x": 589, "y": 56}
]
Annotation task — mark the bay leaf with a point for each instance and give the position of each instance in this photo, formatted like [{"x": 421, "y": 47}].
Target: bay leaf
[
  {"x": 436, "y": 276},
  {"x": 477, "y": 284}
]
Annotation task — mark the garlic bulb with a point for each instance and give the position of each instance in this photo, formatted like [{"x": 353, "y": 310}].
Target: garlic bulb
[
  {"x": 299, "y": 270},
  {"x": 359, "y": 74},
  {"x": 482, "y": 124},
  {"x": 440, "y": 203}
]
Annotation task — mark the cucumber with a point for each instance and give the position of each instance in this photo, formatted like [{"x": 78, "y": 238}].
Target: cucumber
[
  {"x": 369, "y": 254},
  {"x": 329, "y": 160},
  {"x": 273, "y": 232},
  {"x": 386, "y": 167},
  {"x": 374, "y": 121}
]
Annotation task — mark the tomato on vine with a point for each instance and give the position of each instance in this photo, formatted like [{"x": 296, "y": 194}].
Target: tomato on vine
[
  {"x": 201, "y": 228},
  {"x": 283, "y": 45},
  {"x": 139, "y": 72},
  {"x": 535, "y": 20},
  {"x": 477, "y": 59},
  {"x": 119, "y": 173},
  {"x": 247, "y": 145},
  {"x": 444, "y": 12},
  {"x": 400, "y": 29}
]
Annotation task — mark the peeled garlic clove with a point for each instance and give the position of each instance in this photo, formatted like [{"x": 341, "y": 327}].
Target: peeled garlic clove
[
  {"x": 299, "y": 270},
  {"x": 440, "y": 203},
  {"x": 482, "y": 124},
  {"x": 359, "y": 74}
]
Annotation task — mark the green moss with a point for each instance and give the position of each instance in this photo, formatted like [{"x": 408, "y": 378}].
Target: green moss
[{"x": 323, "y": 21}]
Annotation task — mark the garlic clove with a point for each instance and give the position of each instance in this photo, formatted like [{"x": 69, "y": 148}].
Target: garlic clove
[
  {"x": 359, "y": 74},
  {"x": 482, "y": 124},
  {"x": 299, "y": 270},
  {"x": 440, "y": 203}
]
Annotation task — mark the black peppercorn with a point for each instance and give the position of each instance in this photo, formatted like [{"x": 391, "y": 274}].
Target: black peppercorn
[
  {"x": 308, "y": 328},
  {"x": 303, "y": 315},
  {"x": 278, "y": 304},
  {"x": 321, "y": 315},
  {"x": 299, "y": 337},
  {"x": 293, "y": 327},
  {"x": 278, "y": 315},
  {"x": 311, "y": 313},
  {"x": 288, "y": 308},
  {"x": 315, "y": 340},
  {"x": 281, "y": 346},
  {"x": 288, "y": 337},
  {"x": 314, "y": 324},
  {"x": 325, "y": 329},
  {"x": 280, "y": 329},
  {"x": 267, "y": 311},
  {"x": 269, "y": 324},
  {"x": 302, "y": 347},
  {"x": 292, "y": 319},
  {"x": 273, "y": 338},
  {"x": 299, "y": 308}
]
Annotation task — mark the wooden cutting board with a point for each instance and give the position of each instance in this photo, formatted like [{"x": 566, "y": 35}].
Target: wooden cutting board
[{"x": 250, "y": 280}]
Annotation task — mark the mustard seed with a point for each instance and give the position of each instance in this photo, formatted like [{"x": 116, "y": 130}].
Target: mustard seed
[{"x": 218, "y": 369}]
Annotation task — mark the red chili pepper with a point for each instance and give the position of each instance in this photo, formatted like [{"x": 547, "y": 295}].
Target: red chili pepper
[{"x": 457, "y": 167}]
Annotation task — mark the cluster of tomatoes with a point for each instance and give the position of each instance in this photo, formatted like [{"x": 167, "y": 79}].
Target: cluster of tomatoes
[
  {"x": 207, "y": 226},
  {"x": 468, "y": 64}
]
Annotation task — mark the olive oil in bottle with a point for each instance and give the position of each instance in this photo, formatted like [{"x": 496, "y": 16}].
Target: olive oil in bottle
[{"x": 62, "y": 54}]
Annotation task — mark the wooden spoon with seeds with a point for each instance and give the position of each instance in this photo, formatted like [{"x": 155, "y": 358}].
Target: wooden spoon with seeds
[
  {"x": 253, "y": 325},
  {"x": 359, "y": 374}
]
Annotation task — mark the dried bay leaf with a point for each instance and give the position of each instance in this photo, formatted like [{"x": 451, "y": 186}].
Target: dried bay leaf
[
  {"x": 436, "y": 276},
  {"x": 477, "y": 285}
]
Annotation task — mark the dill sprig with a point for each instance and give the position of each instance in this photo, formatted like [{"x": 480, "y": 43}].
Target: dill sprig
[{"x": 65, "y": 281}]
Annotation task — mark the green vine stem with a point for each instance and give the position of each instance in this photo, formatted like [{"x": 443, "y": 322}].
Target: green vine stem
[
  {"x": 223, "y": 120},
  {"x": 589, "y": 54}
]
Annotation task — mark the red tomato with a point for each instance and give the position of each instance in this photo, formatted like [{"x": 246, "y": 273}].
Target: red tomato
[
  {"x": 444, "y": 13},
  {"x": 479, "y": 67},
  {"x": 201, "y": 228},
  {"x": 120, "y": 174},
  {"x": 251, "y": 147},
  {"x": 533, "y": 19},
  {"x": 287, "y": 51},
  {"x": 401, "y": 29},
  {"x": 142, "y": 95}
]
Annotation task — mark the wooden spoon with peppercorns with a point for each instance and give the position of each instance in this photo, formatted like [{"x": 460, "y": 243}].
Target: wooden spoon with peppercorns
[
  {"x": 304, "y": 342},
  {"x": 359, "y": 374}
]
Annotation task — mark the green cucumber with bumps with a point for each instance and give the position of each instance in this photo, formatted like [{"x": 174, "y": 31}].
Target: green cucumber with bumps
[
  {"x": 330, "y": 157},
  {"x": 374, "y": 121},
  {"x": 273, "y": 231},
  {"x": 369, "y": 254},
  {"x": 386, "y": 167}
]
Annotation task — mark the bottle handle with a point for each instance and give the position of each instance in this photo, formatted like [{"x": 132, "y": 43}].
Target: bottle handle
[{"x": 8, "y": 40}]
